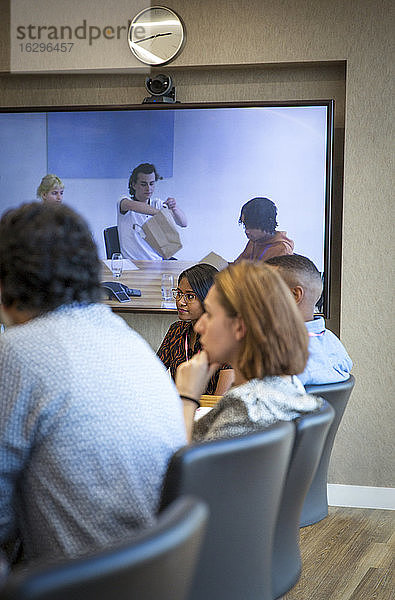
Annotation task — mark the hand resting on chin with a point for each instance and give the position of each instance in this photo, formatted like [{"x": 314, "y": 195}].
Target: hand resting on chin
[{"x": 192, "y": 378}]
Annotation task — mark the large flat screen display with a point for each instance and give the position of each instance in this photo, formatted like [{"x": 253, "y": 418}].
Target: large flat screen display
[{"x": 212, "y": 158}]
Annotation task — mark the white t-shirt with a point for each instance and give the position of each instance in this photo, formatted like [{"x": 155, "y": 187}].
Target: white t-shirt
[{"x": 131, "y": 236}]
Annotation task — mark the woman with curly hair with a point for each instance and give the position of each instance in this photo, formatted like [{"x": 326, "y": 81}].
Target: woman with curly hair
[{"x": 181, "y": 342}]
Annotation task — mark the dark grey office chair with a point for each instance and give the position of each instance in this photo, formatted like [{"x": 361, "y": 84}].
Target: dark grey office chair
[
  {"x": 241, "y": 480},
  {"x": 311, "y": 432},
  {"x": 111, "y": 240},
  {"x": 157, "y": 563},
  {"x": 315, "y": 506}
]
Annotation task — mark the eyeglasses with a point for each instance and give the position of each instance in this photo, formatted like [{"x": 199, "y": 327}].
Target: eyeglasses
[{"x": 188, "y": 297}]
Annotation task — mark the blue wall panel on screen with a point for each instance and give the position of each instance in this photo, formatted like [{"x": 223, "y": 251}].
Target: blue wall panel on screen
[
  {"x": 103, "y": 144},
  {"x": 23, "y": 157}
]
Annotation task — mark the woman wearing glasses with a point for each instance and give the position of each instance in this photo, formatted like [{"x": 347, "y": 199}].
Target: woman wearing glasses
[
  {"x": 252, "y": 322},
  {"x": 181, "y": 342}
]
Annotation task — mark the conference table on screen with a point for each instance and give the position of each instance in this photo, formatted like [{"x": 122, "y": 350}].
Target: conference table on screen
[{"x": 147, "y": 278}]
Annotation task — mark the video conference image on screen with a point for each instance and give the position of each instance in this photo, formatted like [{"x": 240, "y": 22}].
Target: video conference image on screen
[{"x": 212, "y": 160}]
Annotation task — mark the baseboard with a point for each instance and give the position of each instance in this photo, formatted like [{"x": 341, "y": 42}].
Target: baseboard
[{"x": 360, "y": 496}]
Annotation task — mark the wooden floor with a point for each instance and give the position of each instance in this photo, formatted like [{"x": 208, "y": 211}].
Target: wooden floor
[{"x": 348, "y": 556}]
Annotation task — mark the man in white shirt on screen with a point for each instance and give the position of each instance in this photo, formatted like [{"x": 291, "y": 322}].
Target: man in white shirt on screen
[{"x": 133, "y": 211}]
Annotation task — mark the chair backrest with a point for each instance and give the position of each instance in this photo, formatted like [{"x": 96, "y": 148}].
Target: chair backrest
[
  {"x": 111, "y": 240},
  {"x": 311, "y": 432},
  {"x": 315, "y": 506},
  {"x": 158, "y": 563},
  {"x": 241, "y": 480}
]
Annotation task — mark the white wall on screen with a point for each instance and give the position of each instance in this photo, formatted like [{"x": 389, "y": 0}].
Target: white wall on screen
[{"x": 275, "y": 153}]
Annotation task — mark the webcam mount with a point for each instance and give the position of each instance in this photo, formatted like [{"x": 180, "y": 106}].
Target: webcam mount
[{"x": 161, "y": 89}]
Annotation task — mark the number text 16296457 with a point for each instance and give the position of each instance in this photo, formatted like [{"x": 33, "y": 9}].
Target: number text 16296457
[{"x": 46, "y": 47}]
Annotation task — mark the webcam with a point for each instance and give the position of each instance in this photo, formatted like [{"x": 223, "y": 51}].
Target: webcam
[{"x": 161, "y": 89}]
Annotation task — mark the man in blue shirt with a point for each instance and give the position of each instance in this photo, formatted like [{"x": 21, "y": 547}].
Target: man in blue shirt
[
  {"x": 328, "y": 360},
  {"x": 88, "y": 415}
]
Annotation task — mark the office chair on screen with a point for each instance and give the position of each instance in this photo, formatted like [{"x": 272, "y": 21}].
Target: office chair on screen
[
  {"x": 315, "y": 506},
  {"x": 111, "y": 240},
  {"x": 241, "y": 480},
  {"x": 311, "y": 432},
  {"x": 158, "y": 563}
]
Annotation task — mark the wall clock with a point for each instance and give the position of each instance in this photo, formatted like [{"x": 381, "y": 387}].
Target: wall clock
[{"x": 156, "y": 35}]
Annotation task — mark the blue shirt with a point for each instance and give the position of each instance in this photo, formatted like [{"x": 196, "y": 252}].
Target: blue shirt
[
  {"x": 328, "y": 360},
  {"x": 88, "y": 421}
]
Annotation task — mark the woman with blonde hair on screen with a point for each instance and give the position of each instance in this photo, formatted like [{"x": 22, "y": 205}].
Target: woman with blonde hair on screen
[
  {"x": 252, "y": 322},
  {"x": 50, "y": 189}
]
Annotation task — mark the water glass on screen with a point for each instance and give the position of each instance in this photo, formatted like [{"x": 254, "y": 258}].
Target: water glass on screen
[
  {"x": 116, "y": 264},
  {"x": 167, "y": 287}
]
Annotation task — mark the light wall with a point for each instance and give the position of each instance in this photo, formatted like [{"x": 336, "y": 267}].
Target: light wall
[{"x": 266, "y": 42}]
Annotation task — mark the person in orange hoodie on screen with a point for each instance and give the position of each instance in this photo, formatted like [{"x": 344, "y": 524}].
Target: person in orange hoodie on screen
[{"x": 258, "y": 216}]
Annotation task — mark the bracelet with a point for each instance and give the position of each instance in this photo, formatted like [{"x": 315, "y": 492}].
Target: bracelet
[{"x": 189, "y": 398}]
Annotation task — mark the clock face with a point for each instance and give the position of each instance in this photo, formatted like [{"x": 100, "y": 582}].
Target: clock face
[{"x": 156, "y": 35}]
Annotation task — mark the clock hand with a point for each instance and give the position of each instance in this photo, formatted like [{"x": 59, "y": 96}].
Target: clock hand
[{"x": 151, "y": 37}]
